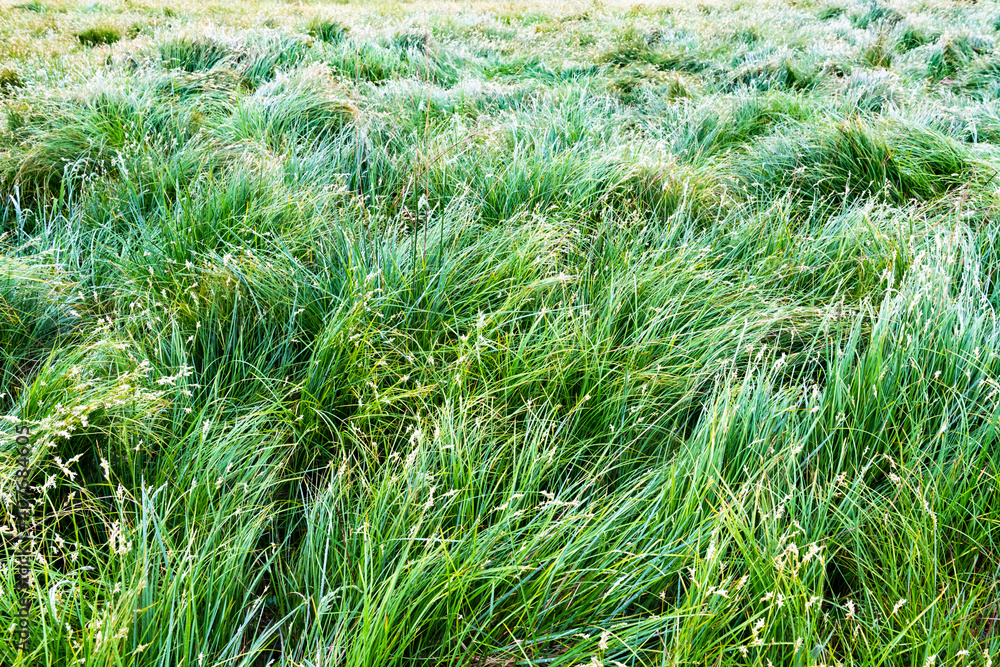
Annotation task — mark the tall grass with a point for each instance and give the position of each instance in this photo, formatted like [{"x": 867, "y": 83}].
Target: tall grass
[{"x": 500, "y": 336}]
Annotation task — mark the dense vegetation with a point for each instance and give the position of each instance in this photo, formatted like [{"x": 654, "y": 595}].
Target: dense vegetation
[{"x": 496, "y": 334}]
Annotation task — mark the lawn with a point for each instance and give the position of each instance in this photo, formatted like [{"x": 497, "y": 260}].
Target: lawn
[{"x": 497, "y": 334}]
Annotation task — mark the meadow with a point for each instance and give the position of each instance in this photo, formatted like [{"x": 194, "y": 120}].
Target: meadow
[{"x": 496, "y": 334}]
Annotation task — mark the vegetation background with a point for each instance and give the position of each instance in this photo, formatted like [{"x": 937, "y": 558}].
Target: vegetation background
[{"x": 503, "y": 333}]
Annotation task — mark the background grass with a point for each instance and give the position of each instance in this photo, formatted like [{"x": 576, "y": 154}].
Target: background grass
[{"x": 502, "y": 334}]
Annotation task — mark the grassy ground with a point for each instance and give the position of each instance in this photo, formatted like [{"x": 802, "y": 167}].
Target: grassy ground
[{"x": 494, "y": 334}]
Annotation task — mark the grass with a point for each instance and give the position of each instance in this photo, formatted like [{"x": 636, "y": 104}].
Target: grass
[
  {"x": 503, "y": 334},
  {"x": 99, "y": 35},
  {"x": 33, "y": 6},
  {"x": 326, "y": 29},
  {"x": 10, "y": 80}
]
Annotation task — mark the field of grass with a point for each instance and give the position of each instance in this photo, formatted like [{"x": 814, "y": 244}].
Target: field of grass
[{"x": 487, "y": 334}]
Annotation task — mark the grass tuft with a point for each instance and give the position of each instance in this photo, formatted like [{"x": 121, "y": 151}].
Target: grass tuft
[
  {"x": 632, "y": 47},
  {"x": 33, "y": 6},
  {"x": 875, "y": 12},
  {"x": 326, "y": 29},
  {"x": 948, "y": 56},
  {"x": 10, "y": 81},
  {"x": 100, "y": 34}
]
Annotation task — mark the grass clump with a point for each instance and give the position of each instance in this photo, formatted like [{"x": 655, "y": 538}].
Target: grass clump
[
  {"x": 771, "y": 71},
  {"x": 910, "y": 36},
  {"x": 33, "y": 6},
  {"x": 948, "y": 55},
  {"x": 304, "y": 106},
  {"x": 256, "y": 57},
  {"x": 828, "y": 12},
  {"x": 412, "y": 39},
  {"x": 635, "y": 47},
  {"x": 194, "y": 53},
  {"x": 38, "y": 310},
  {"x": 875, "y": 12},
  {"x": 859, "y": 157},
  {"x": 326, "y": 29},
  {"x": 10, "y": 81},
  {"x": 872, "y": 91},
  {"x": 99, "y": 34},
  {"x": 879, "y": 51}
]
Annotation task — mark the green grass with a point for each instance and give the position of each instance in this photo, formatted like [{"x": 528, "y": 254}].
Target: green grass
[
  {"x": 33, "y": 6},
  {"x": 326, "y": 29},
  {"x": 99, "y": 35},
  {"x": 503, "y": 335},
  {"x": 10, "y": 81}
]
